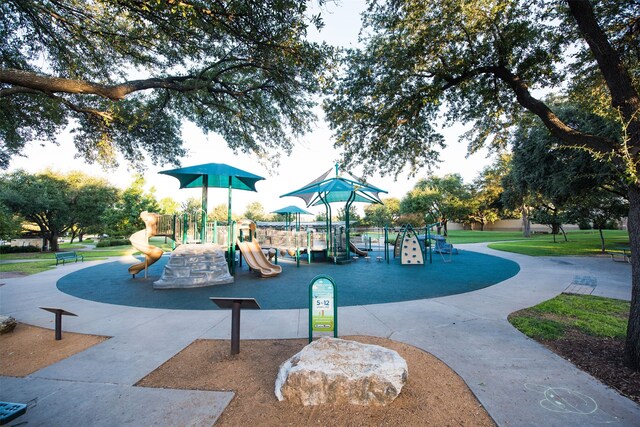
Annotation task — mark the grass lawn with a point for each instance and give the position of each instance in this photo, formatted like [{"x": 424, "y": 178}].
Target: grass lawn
[
  {"x": 87, "y": 253},
  {"x": 580, "y": 242},
  {"x": 468, "y": 236},
  {"x": 584, "y": 243},
  {"x": 30, "y": 267},
  {"x": 48, "y": 260},
  {"x": 553, "y": 319}
]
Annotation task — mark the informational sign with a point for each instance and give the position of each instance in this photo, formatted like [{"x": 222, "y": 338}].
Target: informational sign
[{"x": 323, "y": 306}]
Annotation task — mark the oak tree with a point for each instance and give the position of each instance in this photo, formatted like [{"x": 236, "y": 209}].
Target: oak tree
[
  {"x": 480, "y": 62},
  {"x": 125, "y": 74},
  {"x": 57, "y": 203}
]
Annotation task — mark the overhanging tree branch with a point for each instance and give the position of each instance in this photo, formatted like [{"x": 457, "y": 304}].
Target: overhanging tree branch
[
  {"x": 117, "y": 92},
  {"x": 524, "y": 97},
  {"x": 623, "y": 93}
]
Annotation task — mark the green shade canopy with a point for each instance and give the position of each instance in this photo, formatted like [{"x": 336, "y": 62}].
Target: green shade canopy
[
  {"x": 292, "y": 210},
  {"x": 327, "y": 189},
  {"x": 324, "y": 190},
  {"x": 216, "y": 175}
]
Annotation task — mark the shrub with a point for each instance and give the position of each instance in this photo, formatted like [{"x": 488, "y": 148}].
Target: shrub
[
  {"x": 583, "y": 224},
  {"x": 112, "y": 242},
  {"x": 6, "y": 249},
  {"x": 612, "y": 224}
]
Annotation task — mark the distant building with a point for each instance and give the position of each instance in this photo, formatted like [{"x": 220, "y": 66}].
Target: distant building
[{"x": 27, "y": 241}]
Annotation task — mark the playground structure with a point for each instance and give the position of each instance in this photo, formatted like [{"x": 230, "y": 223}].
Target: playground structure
[
  {"x": 327, "y": 189},
  {"x": 222, "y": 239},
  {"x": 252, "y": 252},
  {"x": 257, "y": 260},
  {"x": 440, "y": 245},
  {"x": 140, "y": 241},
  {"x": 310, "y": 243},
  {"x": 357, "y": 250},
  {"x": 307, "y": 242},
  {"x": 408, "y": 247}
]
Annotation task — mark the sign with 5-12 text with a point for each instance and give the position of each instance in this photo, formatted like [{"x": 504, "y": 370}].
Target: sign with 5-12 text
[{"x": 323, "y": 305}]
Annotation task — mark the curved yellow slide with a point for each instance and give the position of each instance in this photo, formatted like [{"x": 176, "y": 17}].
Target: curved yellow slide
[
  {"x": 256, "y": 259},
  {"x": 140, "y": 241}
]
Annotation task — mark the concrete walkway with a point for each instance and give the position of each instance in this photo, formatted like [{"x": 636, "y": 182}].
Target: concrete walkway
[{"x": 518, "y": 381}]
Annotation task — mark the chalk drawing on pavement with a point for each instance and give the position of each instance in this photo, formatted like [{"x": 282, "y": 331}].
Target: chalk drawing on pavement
[{"x": 567, "y": 401}]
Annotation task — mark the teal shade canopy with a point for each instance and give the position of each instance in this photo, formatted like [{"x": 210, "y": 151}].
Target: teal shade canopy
[
  {"x": 292, "y": 210},
  {"x": 337, "y": 189},
  {"x": 327, "y": 189},
  {"x": 218, "y": 175}
]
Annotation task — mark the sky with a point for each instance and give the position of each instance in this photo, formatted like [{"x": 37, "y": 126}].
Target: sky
[{"x": 312, "y": 155}]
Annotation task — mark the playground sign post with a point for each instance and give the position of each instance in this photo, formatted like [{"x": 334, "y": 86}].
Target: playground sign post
[{"x": 323, "y": 306}]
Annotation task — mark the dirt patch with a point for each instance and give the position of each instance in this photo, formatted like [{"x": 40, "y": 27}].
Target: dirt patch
[
  {"x": 433, "y": 395},
  {"x": 30, "y": 348},
  {"x": 603, "y": 358}
]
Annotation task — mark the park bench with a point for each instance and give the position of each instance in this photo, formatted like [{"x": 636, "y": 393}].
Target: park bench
[
  {"x": 67, "y": 256},
  {"x": 620, "y": 254}
]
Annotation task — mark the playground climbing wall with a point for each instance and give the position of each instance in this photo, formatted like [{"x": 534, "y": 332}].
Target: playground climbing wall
[{"x": 411, "y": 252}]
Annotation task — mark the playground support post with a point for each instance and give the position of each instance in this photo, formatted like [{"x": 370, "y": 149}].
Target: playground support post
[
  {"x": 205, "y": 194},
  {"x": 185, "y": 228},
  {"x": 297, "y": 250},
  {"x": 350, "y": 201},
  {"x": 232, "y": 248},
  {"x": 428, "y": 241},
  {"x": 429, "y": 227},
  {"x": 173, "y": 234},
  {"x": 328, "y": 224},
  {"x": 386, "y": 243},
  {"x": 297, "y": 219},
  {"x": 424, "y": 251}
]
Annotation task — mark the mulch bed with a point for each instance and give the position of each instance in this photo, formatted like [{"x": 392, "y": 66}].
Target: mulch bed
[{"x": 600, "y": 357}]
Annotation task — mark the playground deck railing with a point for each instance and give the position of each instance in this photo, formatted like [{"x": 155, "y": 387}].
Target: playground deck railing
[{"x": 188, "y": 229}]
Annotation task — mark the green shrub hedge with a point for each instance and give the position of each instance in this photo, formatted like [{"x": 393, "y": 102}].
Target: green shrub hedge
[
  {"x": 6, "y": 249},
  {"x": 112, "y": 242}
]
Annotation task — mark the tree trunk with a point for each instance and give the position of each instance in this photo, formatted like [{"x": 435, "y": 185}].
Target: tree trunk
[
  {"x": 602, "y": 248},
  {"x": 563, "y": 233},
  {"x": 53, "y": 242},
  {"x": 444, "y": 227},
  {"x": 624, "y": 97},
  {"x": 526, "y": 224},
  {"x": 632, "y": 347}
]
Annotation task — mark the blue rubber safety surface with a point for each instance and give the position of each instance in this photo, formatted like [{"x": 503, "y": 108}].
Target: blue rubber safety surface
[{"x": 359, "y": 283}]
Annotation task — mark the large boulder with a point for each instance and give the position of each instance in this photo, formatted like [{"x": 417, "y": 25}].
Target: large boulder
[
  {"x": 7, "y": 324},
  {"x": 332, "y": 370}
]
